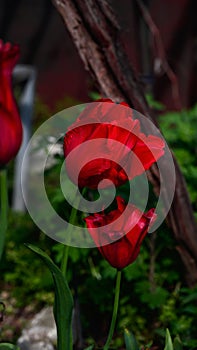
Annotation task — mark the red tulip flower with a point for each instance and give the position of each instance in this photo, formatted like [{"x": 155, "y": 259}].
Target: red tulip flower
[
  {"x": 120, "y": 242},
  {"x": 122, "y": 151},
  {"x": 10, "y": 123}
]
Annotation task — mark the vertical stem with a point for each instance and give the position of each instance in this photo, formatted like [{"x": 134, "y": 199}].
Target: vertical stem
[
  {"x": 115, "y": 310},
  {"x": 66, "y": 247},
  {"x": 153, "y": 255},
  {"x": 72, "y": 220},
  {"x": 3, "y": 208},
  {"x": 64, "y": 261}
]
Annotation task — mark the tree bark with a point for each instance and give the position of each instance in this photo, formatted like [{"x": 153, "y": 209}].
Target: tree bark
[{"x": 94, "y": 29}]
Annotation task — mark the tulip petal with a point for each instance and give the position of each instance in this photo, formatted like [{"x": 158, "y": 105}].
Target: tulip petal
[
  {"x": 110, "y": 125},
  {"x": 120, "y": 244},
  {"x": 11, "y": 127}
]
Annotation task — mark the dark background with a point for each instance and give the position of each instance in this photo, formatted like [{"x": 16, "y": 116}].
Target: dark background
[{"x": 45, "y": 43}]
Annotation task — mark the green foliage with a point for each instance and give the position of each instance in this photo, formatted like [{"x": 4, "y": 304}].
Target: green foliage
[
  {"x": 180, "y": 131},
  {"x": 168, "y": 342},
  {"x": 153, "y": 294},
  {"x": 94, "y": 95},
  {"x": 130, "y": 341},
  {"x": 7, "y": 346},
  {"x": 177, "y": 343},
  {"x": 63, "y": 304},
  {"x": 154, "y": 104},
  {"x": 24, "y": 276},
  {"x": 3, "y": 208}
]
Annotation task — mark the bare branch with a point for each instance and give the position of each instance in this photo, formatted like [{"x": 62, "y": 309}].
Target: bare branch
[{"x": 161, "y": 59}]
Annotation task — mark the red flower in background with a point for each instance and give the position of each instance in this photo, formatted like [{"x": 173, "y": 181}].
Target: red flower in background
[
  {"x": 10, "y": 123},
  {"x": 120, "y": 244},
  {"x": 107, "y": 122}
]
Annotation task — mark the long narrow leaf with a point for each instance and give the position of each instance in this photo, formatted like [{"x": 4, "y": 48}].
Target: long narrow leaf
[
  {"x": 63, "y": 304},
  {"x": 168, "y": 343},
  {"x": 177, "y": 343},
  {"x": 130, "y": 341}
]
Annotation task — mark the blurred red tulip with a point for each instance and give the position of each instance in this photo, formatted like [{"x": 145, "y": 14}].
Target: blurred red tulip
[
  {"x": 121, "y": 150},
  {"x": 120, "y": 243},
  {"x": 10, "y": 122}
]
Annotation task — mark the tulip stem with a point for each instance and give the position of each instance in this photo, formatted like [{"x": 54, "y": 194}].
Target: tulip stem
[
  {"x": 66, "y": 246},
  {"x": 72, "y": 220},
  {"x": 64, "y": 260},
  {"x": 115, "y": 310},
  {"x": 3, "y": 208}
]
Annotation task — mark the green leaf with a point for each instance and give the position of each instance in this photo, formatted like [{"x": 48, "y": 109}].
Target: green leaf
[
  {"x": 168, "y": 343},
  {"x": 7, "y": 346},
  {"x": 91, "y": 347},
  {"x": 154, "y": 299},
  {"x": 94, "y": 95},
  {"x": 154, "y": 104},
  {"x": 130, "y": 341},
  {"x": 63, "y": 304},
  {"x": 177, "y": 343}
]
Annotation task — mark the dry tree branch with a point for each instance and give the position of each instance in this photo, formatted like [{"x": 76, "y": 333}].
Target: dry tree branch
[{"x": 161, "y": 59}]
